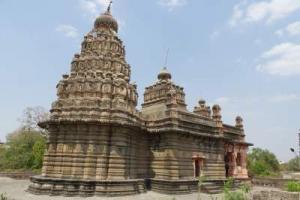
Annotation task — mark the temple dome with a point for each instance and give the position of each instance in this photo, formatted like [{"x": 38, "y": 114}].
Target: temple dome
[
  {"x": 106, "y": 20},
  {"x": 164, "y": 74}
]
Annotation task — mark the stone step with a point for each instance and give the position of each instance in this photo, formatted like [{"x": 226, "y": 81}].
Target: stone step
[
  {"x": 213, "y": 187},
  {"x": 216, "y": 187}
]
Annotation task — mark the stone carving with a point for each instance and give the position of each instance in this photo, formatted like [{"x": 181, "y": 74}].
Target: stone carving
[
  {"x": 202, "y": 109},
  {"x": 239, "y": 122}
]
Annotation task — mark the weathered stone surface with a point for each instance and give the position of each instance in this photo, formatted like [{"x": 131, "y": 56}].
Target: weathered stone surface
[
  {"x": 275, "y": 195},
  {"x": 100, "y": 144}
]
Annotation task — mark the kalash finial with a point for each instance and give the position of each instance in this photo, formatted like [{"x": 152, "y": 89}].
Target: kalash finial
[
  {"x": 164, "y": 73},
  {"x": 106, "y": 20}
]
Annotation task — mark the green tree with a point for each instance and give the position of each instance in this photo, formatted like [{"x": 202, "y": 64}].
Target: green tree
[
  {"x": 25, "y": 146},
  {"x": 2, "y": 156},
  {"x": 38, "y": 150},
  {"x": 23, "y": 150},
  {"x": 262, "y": 163},
  {"x": 32, "y": 116},
  {"x": 294, "y": 164}
]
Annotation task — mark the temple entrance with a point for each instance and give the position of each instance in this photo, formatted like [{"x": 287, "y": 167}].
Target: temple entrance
[
  {"x": 229, "y": 159},
  {"x": 198, "y": 161},
  {"x": 239, "y": 160},
  {"x": 197, "y": 168}
]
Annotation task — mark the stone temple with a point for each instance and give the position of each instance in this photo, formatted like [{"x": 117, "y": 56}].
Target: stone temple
[{"x": 100, "y": 144}]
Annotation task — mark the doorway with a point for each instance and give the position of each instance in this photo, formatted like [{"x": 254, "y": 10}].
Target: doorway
[
  {"x": 197, "y": 168},
  {"x": 228, "y": 159}
]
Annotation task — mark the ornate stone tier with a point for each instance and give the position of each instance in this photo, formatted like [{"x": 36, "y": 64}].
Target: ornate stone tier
[
  {"x": 85, "y": 188},
  {"x": 233, "y": 133},
  {"x": 202, "y": 109},
  {"x": 180, "y": 121}
]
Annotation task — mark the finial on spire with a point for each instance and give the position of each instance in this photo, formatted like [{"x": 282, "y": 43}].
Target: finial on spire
[
  {"x": 167, "y": 57},
  {"x": 109, "y": 6}
]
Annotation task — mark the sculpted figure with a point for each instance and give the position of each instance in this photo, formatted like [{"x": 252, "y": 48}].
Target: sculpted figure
[
  {"x": 93, "y": 63},
  {"x": 118, "y": 67},
  {"x": 60, "y": 88},
  {"x": 88, "y": 46},
  {"x": 123, "y": 90},
  {"x": 125, "y": 71},
  {"x": 76, "y": 87},
  {"x": 106, "y": 88},
  {"x": 74, "y": 66},
  {"x": 87, "y": 87},
  {"x": 107, "y": 65},
  {"x": 80, "y": 66},
  {"x": 106, "y": 45}
]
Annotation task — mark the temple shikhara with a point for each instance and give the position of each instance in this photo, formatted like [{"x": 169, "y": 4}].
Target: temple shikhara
[{"x": 100, "y": 144}]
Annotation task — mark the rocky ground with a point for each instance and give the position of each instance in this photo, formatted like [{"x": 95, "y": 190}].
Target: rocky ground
[{"x": 15, "y": 190}]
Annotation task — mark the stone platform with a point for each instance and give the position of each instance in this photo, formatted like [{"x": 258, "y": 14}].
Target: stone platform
[
  {"x": 85, "y": 188},
  {"x": 174, "y": 186}
]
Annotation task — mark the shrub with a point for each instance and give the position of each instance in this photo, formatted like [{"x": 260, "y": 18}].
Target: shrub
[
  {"x": 235, "y": 195},
  {"x": 293, "y": 186},
  {"x": 228, "y": 185},
  {"x": 240, "y": 194},
  {"x": 3, "y": 197}
]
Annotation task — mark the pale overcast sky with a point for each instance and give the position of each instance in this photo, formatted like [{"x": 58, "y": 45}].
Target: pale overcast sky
[{"x": 242, "y": 54}]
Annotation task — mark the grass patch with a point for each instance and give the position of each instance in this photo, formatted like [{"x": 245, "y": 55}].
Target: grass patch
[{"x": 293, "y": 186}]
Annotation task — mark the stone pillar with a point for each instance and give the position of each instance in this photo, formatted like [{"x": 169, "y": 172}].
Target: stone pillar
[
  {"x": 217, "y": 117},
  {"x": 244, "y": 171},
  {"x": 103, "y": 152},
  {"x": 239, "y": 123}
]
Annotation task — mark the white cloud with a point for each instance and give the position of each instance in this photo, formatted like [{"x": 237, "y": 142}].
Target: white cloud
[
  {"x": 238, "y": 13},
  {"x": 282, "y": 59},
  {"x": 171, "y": 4},
  {"x": 292, "y": 29},
  {"x": 68, "y": 30},
  {"x": 264, "y": 11},
  {"x": 93, "y": 7}
]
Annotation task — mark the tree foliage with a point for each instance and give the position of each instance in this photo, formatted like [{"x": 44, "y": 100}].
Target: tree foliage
[
  {"x": 262, "y": 163},
  {"x": 32, "y": 116},
  {"x": 23, "y": 150},
  {"x": 294, "y": 164}
]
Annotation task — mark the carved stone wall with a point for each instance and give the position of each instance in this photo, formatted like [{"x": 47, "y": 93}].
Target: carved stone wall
[
  {"x": 173, "y": 158},
  {"x": 96, "y": 152}
]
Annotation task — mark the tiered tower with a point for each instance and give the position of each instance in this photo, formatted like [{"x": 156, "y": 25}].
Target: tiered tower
[
  {"x": 162, "y": 95},
  {"x": 94, "y": 126}
]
